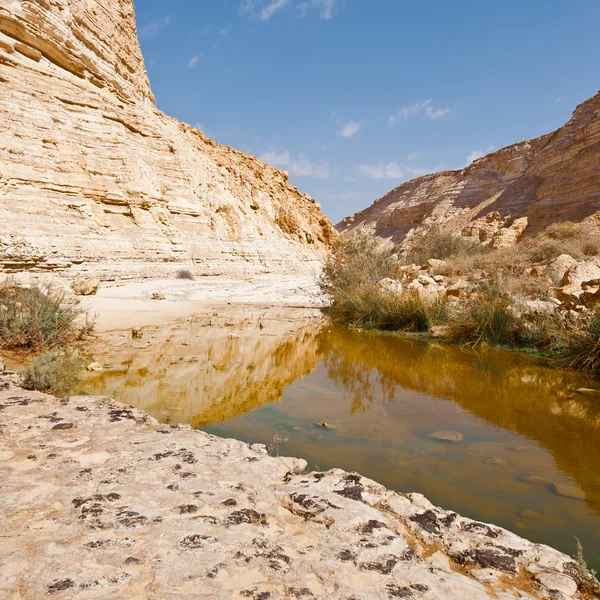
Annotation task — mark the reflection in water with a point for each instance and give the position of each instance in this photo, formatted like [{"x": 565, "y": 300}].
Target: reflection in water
[{"x": 531, "y": 449}]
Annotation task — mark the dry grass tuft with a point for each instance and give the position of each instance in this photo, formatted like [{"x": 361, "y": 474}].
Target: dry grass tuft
[
  {"x": 381, "y": 309},
  {"x": 35, "y": 318},
  {"x": 435, "y": 243},
  {"x": 56, "y": 373}
]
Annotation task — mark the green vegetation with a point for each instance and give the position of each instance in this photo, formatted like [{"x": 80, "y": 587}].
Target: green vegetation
[
  {"x": 494, "y": 313},
  {"x": 377, "y": 308},
  {"x": 46, "y": 321},
  {"x": 441, "y": 245},
  {"x": 184, "y": 274},
  {"x": 55, "y": 373},
  {"x": 351, "y": 280},
  {"x": 581, "y": 348},
  {"x": 587, "y": 582},
  {"x": 37, "y": 318}
]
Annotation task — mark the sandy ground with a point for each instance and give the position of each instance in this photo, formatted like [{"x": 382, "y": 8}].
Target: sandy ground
[{"x": 130, "y": 304}]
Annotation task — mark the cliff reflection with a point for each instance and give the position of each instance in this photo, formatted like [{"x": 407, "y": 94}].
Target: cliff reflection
[{"x": 208, "y": 368}]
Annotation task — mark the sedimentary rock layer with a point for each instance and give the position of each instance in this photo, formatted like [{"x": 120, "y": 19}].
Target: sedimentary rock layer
[
  {"x": 94, "y": 177},
  {"x": 101, "y": 501},
  {"x": 550, "y": 179}
]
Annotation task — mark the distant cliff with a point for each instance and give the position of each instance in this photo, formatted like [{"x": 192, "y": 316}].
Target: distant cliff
[{"x": 550, "y": 179}]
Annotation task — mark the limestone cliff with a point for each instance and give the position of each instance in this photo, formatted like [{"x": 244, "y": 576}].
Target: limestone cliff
[
  {"x": 550, "y": 179},
  {"x": 94, "y": 177}
]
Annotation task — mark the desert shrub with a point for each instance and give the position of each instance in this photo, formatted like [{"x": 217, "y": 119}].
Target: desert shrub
[
  {"x": 436, "y": 243},
  {"x": 586, "y": 579},
  {"x": 184, "y": 274},
  {"x": 356, "y": 262},
  {"x": 487, "y": 318},
  {"x": 55, "y": 373},
  {"x": 36, "y": 318},
  {"x": 377, "y": 308},
  {"x": 580, "y": 348}
]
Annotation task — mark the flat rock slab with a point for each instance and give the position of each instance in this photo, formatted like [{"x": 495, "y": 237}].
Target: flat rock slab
[{"x": 101, "y": 501}]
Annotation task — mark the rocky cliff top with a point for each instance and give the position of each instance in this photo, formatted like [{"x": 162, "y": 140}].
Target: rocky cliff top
[
  {"x": 550, "y": 179},
  {"x": 93, "y": 177}
]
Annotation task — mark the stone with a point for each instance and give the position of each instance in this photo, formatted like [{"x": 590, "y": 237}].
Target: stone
[
  {"x": 118, "y": 503},
  {"x": 435, "y": 264},
  {"x": 157, "y": 296},
  {"x": 391, "y": 285},
  {"x": 533, "y": 183},
  {"x": 508, "y": 236},
  {"x": 95, "y": 367},
  {"x": 529, "y": 514},
  {"x": 294, "y": 465},
  {"x": 558, "y": 581},
  {"x": 567, "y": 491},
  {"x": 100, "y": 172},
  {"x": 447, "y": 436},
  {"x": 85, "y": 287},
  {"x": 560, "y": 265}
]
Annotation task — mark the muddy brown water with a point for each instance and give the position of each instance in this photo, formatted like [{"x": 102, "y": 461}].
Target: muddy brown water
[{"x": 522, "y": 448}]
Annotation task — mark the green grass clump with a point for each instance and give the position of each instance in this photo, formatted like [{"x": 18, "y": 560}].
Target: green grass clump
[
  {"x": 37, "y": 318},
  {"x": 581, "y": 346},
  {"x": 377, "y": 308},
  {"x": 484, "y": 319},
  {"x": 56, "y": 373},
  {"x": 435, "y": 243}
]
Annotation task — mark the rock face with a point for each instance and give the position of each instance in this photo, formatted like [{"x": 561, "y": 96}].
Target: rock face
[
  {"x": 101, "y": 501},
  {"x": 523, "y": 187},
  {"x": 94, "y": 177}
]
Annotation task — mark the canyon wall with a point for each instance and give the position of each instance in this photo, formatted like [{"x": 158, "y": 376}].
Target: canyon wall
[
  {"x": 523, "y": 187},
  {"x": 93, "y": 177}
]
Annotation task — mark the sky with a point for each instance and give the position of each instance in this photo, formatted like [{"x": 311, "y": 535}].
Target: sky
[{"x": 354, "y": 97}]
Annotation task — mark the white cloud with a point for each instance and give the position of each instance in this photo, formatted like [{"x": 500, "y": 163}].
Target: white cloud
[
  {"x": 270, "y": 9},
  {"x": 350, "y": 129},
  {"x": 391, "y": 170},
  {"x": 414, "y": 155},
  {"x": 151, "y": 29},
  {"x": 325, "y": 8},
  {"x": 417, "y": 109},
  {"x": 193, "y": 61},
  {"x": 199, "y": 126},
  {"x": 476, "y": 154},
  {"x": 265, "y": 9},
  {"x": 300, "y": 166}
]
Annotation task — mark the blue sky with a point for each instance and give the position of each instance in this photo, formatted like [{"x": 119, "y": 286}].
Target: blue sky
[{"x": 353, "y": 97}]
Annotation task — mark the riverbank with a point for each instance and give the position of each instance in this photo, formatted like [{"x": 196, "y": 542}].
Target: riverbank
[{"x": 101, "y": 500}]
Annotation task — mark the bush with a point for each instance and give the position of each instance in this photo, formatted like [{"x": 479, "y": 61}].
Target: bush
[
  {"x": 435, "y": 243},
  {"x": 53, "y": 373},
  {"x": 487, "y": 319},
  {"x": 36, "y": 318},
  {"x": 184, "y": 274},
  {"x": 358, "y": 261},
  {"x": 581, "y": 347},
  {"x": 376, "y": 308}
]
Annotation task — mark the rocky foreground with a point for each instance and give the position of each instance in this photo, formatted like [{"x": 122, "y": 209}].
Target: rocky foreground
[{"x": 101, "y": 501}]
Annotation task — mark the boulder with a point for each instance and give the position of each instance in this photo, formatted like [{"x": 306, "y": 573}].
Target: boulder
[
  {"x": 560, "y": 265},
  {"x": 85, "y": 287},
  {"x": 508, "y": 236},
  {"x": 95, "y": 367},
  {"x": 435, "y": 264},
  {"x": 575, "y": 279}
]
